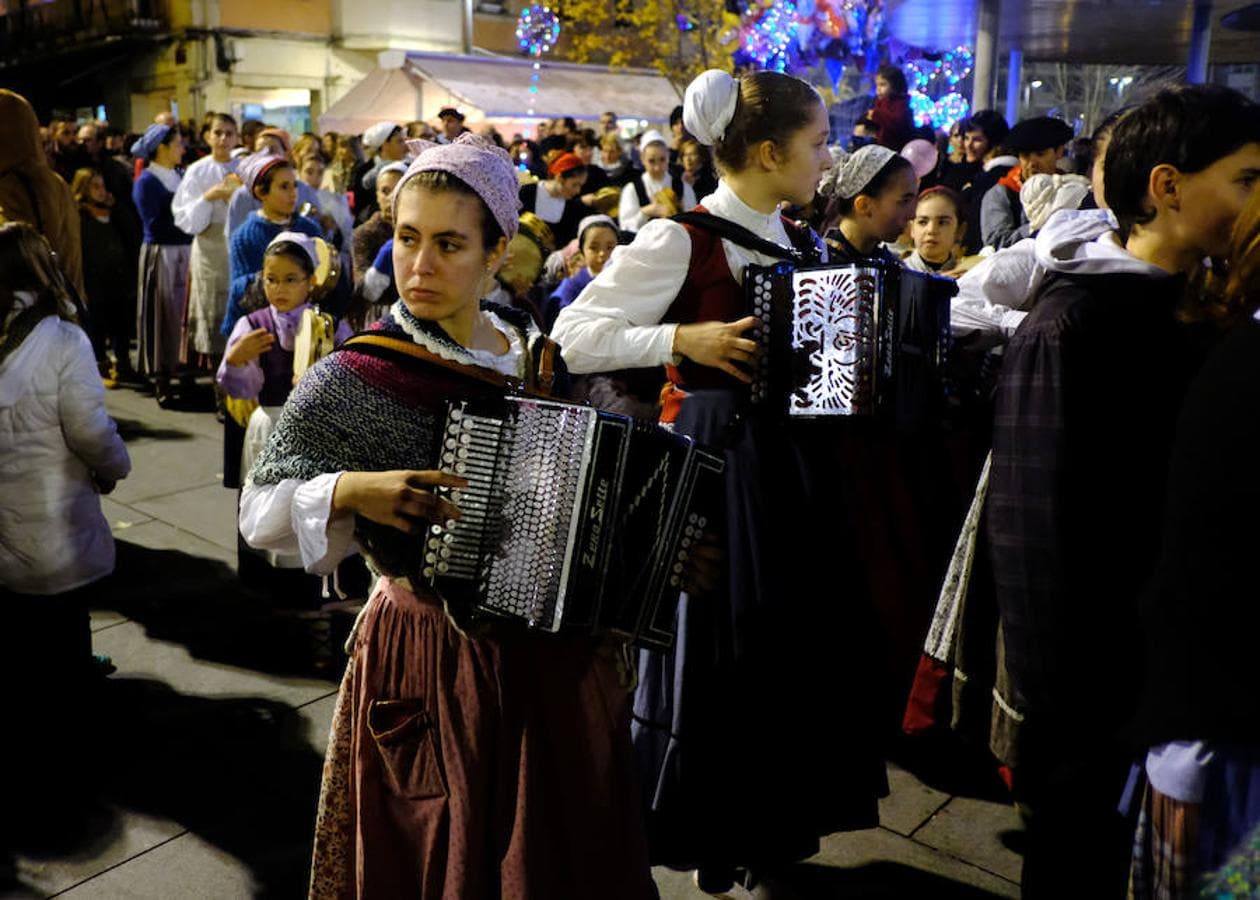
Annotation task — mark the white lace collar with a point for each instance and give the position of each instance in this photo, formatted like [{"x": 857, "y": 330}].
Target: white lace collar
[{"x": 510, "y": 363}]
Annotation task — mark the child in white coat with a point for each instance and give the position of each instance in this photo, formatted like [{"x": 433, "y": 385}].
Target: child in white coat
[{"x": 59, "y": 450}]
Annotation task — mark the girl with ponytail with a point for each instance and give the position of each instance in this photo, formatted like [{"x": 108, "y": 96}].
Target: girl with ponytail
[{"x": 743, "y": 775}]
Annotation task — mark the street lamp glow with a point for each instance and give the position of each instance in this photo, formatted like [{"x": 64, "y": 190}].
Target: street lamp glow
[{"x": 1037, "y": 83}]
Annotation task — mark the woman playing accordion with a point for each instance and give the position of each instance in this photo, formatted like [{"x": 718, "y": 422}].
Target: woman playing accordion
[{"x": 463, "y": 763}]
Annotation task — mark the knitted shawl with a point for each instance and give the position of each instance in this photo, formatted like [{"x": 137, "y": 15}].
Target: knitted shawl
[{"x": 358, "y": 412}]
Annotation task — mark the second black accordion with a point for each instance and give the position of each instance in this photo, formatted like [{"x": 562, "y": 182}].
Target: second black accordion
[
  {"x": 851, "y": 340},
  {"x": 573, "y": 518}
]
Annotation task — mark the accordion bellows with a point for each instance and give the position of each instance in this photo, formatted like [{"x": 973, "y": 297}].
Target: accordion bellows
[{"x": 572, "y": 518}]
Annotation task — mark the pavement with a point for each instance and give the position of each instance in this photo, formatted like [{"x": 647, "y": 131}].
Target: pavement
[{"x": 206, "y": 744}]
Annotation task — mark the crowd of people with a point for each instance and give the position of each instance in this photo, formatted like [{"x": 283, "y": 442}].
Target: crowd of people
[{"x": 1064, "y": 546}]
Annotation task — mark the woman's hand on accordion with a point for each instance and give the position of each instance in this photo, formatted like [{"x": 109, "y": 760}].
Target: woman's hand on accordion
[
  {"x": 719, "y": 345},
  {"x": 703, "y": 575},
  {"x": 399, "y": 499}
]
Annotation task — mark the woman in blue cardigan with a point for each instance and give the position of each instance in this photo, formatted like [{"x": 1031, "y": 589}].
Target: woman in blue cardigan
[{"x": 163, "y": 287}]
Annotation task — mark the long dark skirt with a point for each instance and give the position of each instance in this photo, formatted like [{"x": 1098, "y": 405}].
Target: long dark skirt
[{"x": 758, "y": 734}]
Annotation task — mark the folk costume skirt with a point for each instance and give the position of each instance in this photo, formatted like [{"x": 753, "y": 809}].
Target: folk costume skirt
[
  {"x": 758, "y": 734},
  {"x": 162, "y": 293},
  {"x": 485, "y": 766}
]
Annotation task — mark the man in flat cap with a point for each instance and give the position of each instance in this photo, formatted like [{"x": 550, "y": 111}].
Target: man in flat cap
[{"x": 1038, "y": 143}]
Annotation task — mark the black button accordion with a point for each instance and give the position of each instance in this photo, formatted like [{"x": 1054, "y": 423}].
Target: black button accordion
[
  {"x": 851, "y": 340},
  {"x": 573, "y": 518}
]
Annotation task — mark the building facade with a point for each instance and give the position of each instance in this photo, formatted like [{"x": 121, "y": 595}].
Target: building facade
[{"x": 284, "y": 61}]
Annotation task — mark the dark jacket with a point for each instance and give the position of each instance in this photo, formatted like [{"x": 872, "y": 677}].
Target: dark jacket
[
  {"x": 1083, "y": 429},
  {"x": 1201, "y": 616}
]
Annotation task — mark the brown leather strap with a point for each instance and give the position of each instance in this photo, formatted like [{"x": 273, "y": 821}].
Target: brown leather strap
[
  {"x": 415, "y": 351},
  {"x": 547, "y": 365}
]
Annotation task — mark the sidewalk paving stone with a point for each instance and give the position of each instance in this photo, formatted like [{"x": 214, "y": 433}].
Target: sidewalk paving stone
[
  {"x": 120, "y": 516},
  {"x": 160, "y": 467},
  {"x": 127, "y": 835},
  {"x": 208, "y": 511},
  {"x": 972, "y": 829},
  {"x": 137, "y": 655},
  {"x": 157, "y": 535},
  {"x": 909, "y": 803},
  {"x": 186, "y": 868}
]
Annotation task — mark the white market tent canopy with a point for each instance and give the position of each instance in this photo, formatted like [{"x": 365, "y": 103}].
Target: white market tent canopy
[{"x": 414, "y": 86}]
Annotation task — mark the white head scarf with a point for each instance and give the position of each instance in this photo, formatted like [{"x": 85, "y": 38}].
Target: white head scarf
[
  {"x": 709, "y": 105},
  {"x": 651, "y": 137},
  {"x": 852, "y": 172}
]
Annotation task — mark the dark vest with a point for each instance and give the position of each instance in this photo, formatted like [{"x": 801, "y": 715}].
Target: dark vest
[{"x": 277, "y": 363}]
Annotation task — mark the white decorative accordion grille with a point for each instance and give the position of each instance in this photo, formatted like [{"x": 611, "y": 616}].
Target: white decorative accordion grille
[
  {"x": 525, "y": 477},
  {"x": 834, "y": 319}
]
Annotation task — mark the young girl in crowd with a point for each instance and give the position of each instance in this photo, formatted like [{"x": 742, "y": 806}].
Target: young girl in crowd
[
  {"x": 871, "y": 196},
  {"x": 1082, "y": 439},
  {"x": 200, "y": 208},
  {"x": 334, "y": 208},
  {"x": 936, "y": 229},
  {"x": 697, "y": 179},
  {"x": 597, "y": 238},
  {"x": 59, "y": 450},
  {"x": 164, "y": 258},
  {"x": 463, "y": 762},
  {"x": 257, "y": 371},
  {"x": 258, "y": 362},
  {"x": 640, "y": 201},
  {"x": 556, "y": 200},
  {"x": 894, "y": 123},
  {"x": 741, "y": 769},
  {"x": 244, "y": 203},
  {"x": 109, "y": 273},
  {"x": 272, "y": 180}
]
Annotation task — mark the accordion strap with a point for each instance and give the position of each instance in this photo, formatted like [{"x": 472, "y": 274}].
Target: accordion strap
[
  {"x": 546, "y": 378},
  {"x": 393, "y": 346},
  {"x": 801, "y": 251}
]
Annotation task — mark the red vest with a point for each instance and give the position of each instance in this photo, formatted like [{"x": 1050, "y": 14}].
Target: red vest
[{"x": 710, "y": 293}]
